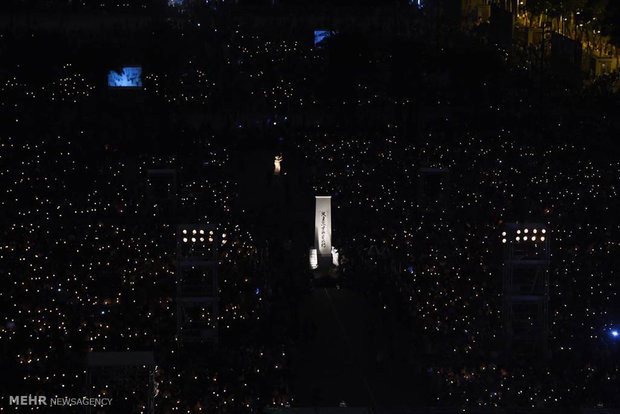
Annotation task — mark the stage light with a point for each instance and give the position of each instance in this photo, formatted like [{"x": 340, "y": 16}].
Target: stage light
[
  {"x": 534, "y": 231},
  {"x": 194, "y": 231},
  {"x": 193, "y": 240},
  {"x": 504, "y": 233},
  {"x": 525, "y": 231},
  {"x": 211, "y": 232},
  {"x": 184, "y": 231},
  {"x": 518, "y": 238},
  {"x": 223, "y": 241},
  {"x": 503, "y": 240},
  {"x": 184, "y": 239},
  {"x": 533, "y": 238},
  {"x": 615, "y": 333},
  {"x": 202, "y": 239},
  {"x": 542, "y": 238},
  {"x": 524, "y": 238},
  {"x": 543, "y": 231},
  {"x": 518, "y": 231},
  {"x": 224, "y": 235},
  {"x": 202, "y": 231},
  {"x": 211, "y": 239}
]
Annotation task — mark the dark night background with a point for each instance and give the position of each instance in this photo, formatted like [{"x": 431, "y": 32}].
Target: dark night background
[{"x": 433, "y": 125}]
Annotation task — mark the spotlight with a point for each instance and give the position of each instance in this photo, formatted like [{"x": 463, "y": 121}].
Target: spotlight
[
  {"x": 543, "y": 231},
  {"x": 504, "y": 233},
  {"x": 518, "y": 238},
  {"x": 194, "y": 231},
  {"x": 223, "y": 241},
  {"x": 534, "y": 231},
  {"x": 503, "y": 240},
  {"x": 524, "y": 238},
  {"x": 224, "y": 235},
  {"x": 525, "y": 231},
  {"x": 202, "y": 239},
  {"x": 184, "y": 231},
  {"x": 211, "y": 239},
  {"x": 533, "y": 238},
  {"x": 615, "y": 333},
  {"x": 542, "y": 238},
  {"x": 202, "y": 231},
  {"x": 193, "y": 240},
  {"x": 211, "y": 232},
  {"x": 518, "y": 231},
  {"x": 184, "y": 239}
]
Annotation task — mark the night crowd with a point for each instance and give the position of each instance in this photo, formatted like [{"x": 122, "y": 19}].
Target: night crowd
[{"x": 88, "y": 241}]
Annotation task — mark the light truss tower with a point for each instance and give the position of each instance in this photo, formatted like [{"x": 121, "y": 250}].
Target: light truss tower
[
  {"x": 197, "y": 284},
  {"x": 526, "y": 288}
]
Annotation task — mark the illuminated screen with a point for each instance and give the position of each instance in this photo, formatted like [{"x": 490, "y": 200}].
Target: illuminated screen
[
  {"x": 128, "y": 77},
  {"x": 321, "y": 35}
]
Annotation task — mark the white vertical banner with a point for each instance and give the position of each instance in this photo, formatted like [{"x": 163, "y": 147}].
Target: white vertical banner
[{"x": 323, "y": 225}]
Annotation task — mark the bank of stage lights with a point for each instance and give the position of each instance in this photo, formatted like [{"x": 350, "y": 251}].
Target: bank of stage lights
[
  {"x": 527, "y": 235},
  {"x": 200, "y": 236}
]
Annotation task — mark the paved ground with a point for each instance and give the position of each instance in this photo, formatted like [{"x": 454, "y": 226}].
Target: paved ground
[
  {"x": 354, "y": 355},
  {"x": 358, "y": 353}
]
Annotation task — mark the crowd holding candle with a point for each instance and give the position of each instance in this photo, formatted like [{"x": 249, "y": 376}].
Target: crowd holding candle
[{"x": 87, "y": 254}]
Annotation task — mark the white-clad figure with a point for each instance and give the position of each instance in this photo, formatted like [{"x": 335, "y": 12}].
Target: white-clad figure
[{"x": 276, "y": 164}]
